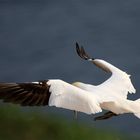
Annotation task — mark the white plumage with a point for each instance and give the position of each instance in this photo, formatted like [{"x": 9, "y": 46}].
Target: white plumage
[
  {"x": 67, "y": 96},
  {"x": 113, "y": 89},
  {"x": 110, "y": 95}
]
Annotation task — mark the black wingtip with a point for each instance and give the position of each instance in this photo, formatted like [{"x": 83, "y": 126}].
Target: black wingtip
[
  {"x": 78, "y": 50},
  {"x": 77, "y": 45},
  {"x": 82, "y": 53}
]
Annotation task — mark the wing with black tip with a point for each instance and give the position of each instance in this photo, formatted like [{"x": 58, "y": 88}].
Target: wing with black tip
[
  {"x": 52, "y": 93},
  {"x": 26, "y": 94},
  {"x": 119, "y": 83}
]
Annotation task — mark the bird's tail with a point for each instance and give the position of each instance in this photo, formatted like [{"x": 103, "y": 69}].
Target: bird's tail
[{"x": 137, "y": 108}]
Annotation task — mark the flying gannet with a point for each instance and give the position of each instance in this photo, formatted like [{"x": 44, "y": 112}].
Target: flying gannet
[{"x": 111, "y": 95}]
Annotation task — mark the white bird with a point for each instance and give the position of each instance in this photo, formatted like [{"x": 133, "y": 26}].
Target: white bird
[{"x": 89, "y": 99}]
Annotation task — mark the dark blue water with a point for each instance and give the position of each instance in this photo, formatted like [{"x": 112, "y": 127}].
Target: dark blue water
[{"x": 37, "y": 41}]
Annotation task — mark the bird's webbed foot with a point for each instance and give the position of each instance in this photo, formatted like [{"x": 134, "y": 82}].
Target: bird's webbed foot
[{"x": 107, "y": 115}]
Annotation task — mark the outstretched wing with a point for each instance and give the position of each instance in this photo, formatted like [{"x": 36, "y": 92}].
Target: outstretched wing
[
  {"x": 67, "y": 96},
  {"x": 81, "y": 52},
  {"x": 26, "y": 94},
  {"x": 119, "y": 84},
  {"x": 53, "y": 93}
]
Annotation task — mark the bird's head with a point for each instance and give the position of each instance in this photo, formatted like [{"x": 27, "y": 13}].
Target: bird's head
[
  {"x": 76, "y": 84},
  {"x": 80, "y": 85}
]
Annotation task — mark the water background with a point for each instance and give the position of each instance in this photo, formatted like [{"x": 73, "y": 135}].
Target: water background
[{"x": 37, "y": 41}]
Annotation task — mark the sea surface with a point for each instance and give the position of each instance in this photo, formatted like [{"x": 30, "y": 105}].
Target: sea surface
[{"x": 37, "y": 41}]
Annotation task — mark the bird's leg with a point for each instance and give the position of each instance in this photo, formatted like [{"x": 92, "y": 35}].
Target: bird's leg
[
  {"x": 107, "y": 115},
  {"x": 75, "y": 115}
]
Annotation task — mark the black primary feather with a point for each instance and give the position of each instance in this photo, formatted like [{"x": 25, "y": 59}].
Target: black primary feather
[{"x": 25, "y": 94}]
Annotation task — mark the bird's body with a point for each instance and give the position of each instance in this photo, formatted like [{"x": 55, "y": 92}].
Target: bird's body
[
  {"x": 110, "y": 95},
  {"x": 111, "y": 101}
]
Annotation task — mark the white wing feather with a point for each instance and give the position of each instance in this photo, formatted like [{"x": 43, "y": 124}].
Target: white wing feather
[
  {"x": 113, "y": 92},
  {"x": 119, "y": 84},
  {"x": 67, "y": 96}
]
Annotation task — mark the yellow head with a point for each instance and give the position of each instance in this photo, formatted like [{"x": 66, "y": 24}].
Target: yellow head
[{"x": 76, "y": 84}]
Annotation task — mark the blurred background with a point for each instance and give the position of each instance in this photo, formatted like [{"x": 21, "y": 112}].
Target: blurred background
[{"x": 37, "y": 41}]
